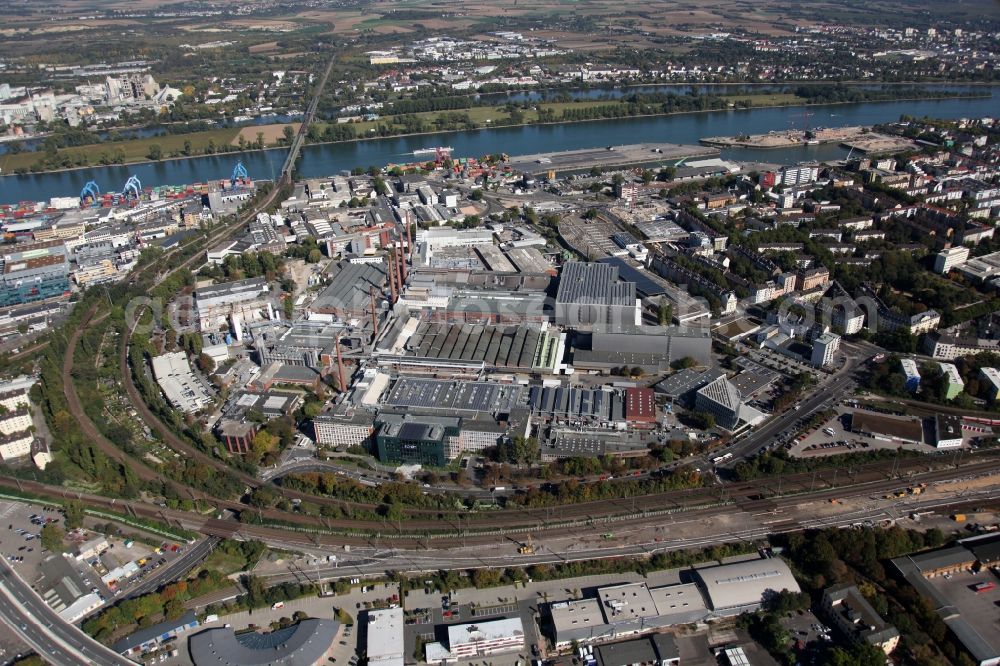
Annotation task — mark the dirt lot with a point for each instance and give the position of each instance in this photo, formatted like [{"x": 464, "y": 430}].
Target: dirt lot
[
  {"x": 879, "y": 143},
  {"x": 271, "y": 133},
  {"x": 264, "y": 48}
]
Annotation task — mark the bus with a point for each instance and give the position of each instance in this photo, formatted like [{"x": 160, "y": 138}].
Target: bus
[{"x": 722, "y": 458}]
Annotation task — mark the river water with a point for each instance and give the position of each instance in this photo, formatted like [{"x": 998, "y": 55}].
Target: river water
[{"x": 327, "y": 159}]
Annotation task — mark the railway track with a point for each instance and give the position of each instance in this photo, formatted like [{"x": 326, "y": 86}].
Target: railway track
[
  {"x": 489, "y": 528},
  {"x": 423, "y": 525},
  {"x": 425, "y": 522}
]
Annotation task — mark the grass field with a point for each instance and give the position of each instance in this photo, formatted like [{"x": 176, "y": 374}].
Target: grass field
[
  {"x": 224, "y": 563},
  {"x": 481, "y": 114},
  {"x": 135, "y": 150}
]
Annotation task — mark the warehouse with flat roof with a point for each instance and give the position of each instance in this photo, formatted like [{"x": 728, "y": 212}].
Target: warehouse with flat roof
[
  {"x": 627, "y": 609},
  {"x": 465, "y": 397},
  {"x": 741, "y": 587},
  {"x": 514, "y": 347},
  {"x": 909, "y": 429},
  {"x": 385, "y": 637},
  {"x": 590, "y": 293}
]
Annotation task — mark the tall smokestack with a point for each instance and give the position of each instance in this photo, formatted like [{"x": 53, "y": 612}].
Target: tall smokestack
[
  {"x": 402, "y": 268},
  {"x": 392, "y": 277},
  {"x": 409, "y": 241},
  {"x": 371, "y": 296},
  {"x": 399, "y": 273},
  {"x": 340, "y": 369}
]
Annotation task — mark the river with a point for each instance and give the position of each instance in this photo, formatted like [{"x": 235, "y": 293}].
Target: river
[{"x": 327, "y": 159}]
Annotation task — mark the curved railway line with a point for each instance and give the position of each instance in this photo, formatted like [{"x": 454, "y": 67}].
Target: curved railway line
[
  {"x": 420, "y": 526},
  {"x": 430, "y": 520}
]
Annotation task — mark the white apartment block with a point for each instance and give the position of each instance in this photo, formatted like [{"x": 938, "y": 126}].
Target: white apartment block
[
  {"x": 17, "y": 445},
  {"x": 791, "y": 176},
  {"x": 15, "y": 420},
  {"x": 824, "y": 349},
  {"x": 11, "y": 400},
  {"x": 950, "y": 258}
]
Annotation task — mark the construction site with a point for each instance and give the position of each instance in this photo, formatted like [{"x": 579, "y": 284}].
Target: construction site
[
  {"x": 861, "y": 139},
  {"x": 610, "y": 157}
]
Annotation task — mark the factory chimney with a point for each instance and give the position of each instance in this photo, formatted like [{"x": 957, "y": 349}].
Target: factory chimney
[
  {"x": 340, "y": 369},
  {"x": 392, "y": 277},
  {"x": 371, "y": 296}
]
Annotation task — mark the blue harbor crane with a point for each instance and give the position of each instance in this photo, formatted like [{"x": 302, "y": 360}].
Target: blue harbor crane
[
  {"x": 133, "y": 187},
  {"x": 91, "y": 190},
  {"x": 239, "y": 173}
]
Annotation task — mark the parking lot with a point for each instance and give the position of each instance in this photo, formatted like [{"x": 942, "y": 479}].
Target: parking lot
[
  {"x": 778, "y": 362},
  {"x": 20, "y": 541},
  {"x": 20, "y": 544},
  {"x": 804, "y": 626},
  {"x": 833, "y": 437}
]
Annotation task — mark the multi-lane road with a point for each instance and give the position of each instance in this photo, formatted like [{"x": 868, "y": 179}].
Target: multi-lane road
[
  {"x": 56, "y": 641},
  {"x": 177, "y": 568},
  {"x": 830, "y": 390}
]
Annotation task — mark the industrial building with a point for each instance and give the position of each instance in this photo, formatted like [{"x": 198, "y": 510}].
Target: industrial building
[
  {"x": 598, "y": 407},
  {"x": 525, "y": 347},
  {"x": 943, "y": 578},
  {"x": 626, "y": 610},
  {"x": 344, "y": 427},
  {"x": 657, "y": 650},
  {"x": 482, "y": 307},
  {"x": 182, "y": 388},
  {"x": 237, "y": 436},
  {"x": 647, "y": 285},
  {"x": 311, "y": 343},
  {"x": 151, "y": 638},
  {"x": 65, "y": 589},
  {"x": 736, "y": 588},
  {"x": 981, "y": 269},
  {"x": 947, "y": 431},
  {"x": 590, "y": 293},
  {"x": 634, "y": 608},
  {"x": 412, "y": 438},
  {"x": 683, "y": 384},
  {"x": 307, "y": 643},
  {"x": 385, "y": 637},
  {"x": 228, "y": 304},
  {"x": 349, "y": 292},
  {"x": 883, "y": 427},
  {"x": 478, "y": 639},
  {"x": 640, "y": 407},
  {"x": 464, "y": 398},
  {"x": 652, "y": 348},
  {"x": 33, "y": 272},
  {"x": 576, "y": 442}
]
